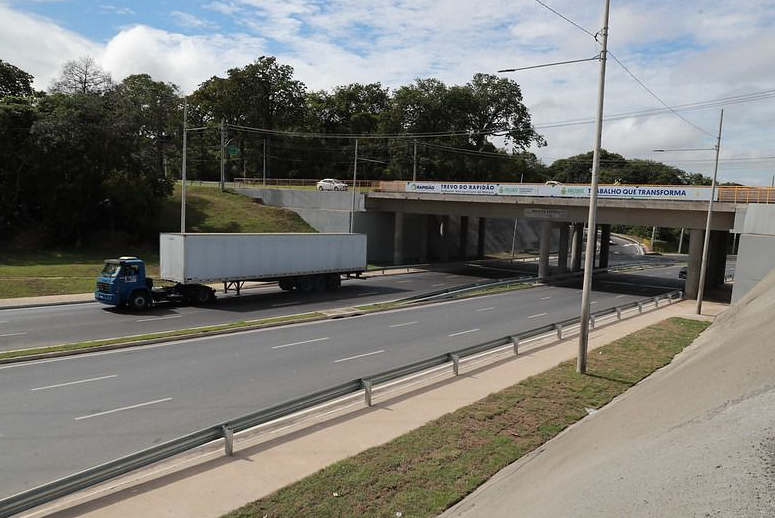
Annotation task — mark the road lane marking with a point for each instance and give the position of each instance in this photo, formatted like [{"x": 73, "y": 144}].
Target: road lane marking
[
  {"x": 302, "y": 342},
  {"x": 538, "y": 315},
  {"x": 158, "y": 318},
  {"x": 620, "y": 296},
  {"x": 369, "y": 293},
  {"x": 283, "y": 304},
  {"x": 359, "y": 356},
  {"x": 404, "y": 282},
  {"x": 130, "y": 407},
  {"x": 3, "y": 321},
  {"x": 451, "y": 276},
  {"x": 404, "y": 324},
  {"x": 593, "y": 302},
  {"x": 464, "y": 332},
  {"x": 440, "y": 284},
  {"x": 73, "y": 382},
  {"x": 486, "y": 309},
  {"x": 12, "y": 334},
  {"x": 545, "y": 298}
]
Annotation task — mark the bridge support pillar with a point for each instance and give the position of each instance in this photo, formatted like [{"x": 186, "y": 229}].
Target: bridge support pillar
[
  {"x": 423, "y": 257},
  {"x": 562, "y": 255},
  {"x": 398, "y": 238},
  {"x": 692, "y": 284},
  {"x": 605, "y": 240},
  {"x": 543, "y": 250},
  {"x": 717, "y": 261},
  {"x": 480, "y": 238},
  {"x": 463, "y": 238},
  {"x": 444, "y": 238},
  {"x": 577, "y": 244}
]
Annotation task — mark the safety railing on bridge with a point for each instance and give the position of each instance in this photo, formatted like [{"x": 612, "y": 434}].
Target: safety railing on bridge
[{"x": 225, "y": 431}]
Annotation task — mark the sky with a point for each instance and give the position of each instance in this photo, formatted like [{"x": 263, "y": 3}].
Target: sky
[{"x": 694, "y": 56}]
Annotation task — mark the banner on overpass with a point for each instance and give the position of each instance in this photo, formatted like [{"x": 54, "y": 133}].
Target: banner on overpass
[{"x": 637, "y": 192}]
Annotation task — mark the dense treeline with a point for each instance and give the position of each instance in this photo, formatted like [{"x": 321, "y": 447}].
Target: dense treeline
[{"x": 91, "y": 156}]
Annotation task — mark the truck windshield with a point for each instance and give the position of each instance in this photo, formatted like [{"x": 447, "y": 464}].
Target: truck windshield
[{"x": 110, "y": 269}]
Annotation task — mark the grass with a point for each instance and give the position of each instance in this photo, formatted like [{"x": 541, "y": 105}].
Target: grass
[
  {"x": 58, "y": 272},
  {"x": 426, "y": 471},
  {"x": 178, "y": 333}
]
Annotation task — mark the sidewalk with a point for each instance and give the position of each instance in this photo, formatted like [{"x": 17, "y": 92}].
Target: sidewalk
[{"x": 206, "y": 484}]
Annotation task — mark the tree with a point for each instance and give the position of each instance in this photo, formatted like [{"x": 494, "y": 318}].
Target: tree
[
  {"x": 14, "y": 81},
  {"x": 578, "y": 168},
  {"x": 84, "y": 76}
]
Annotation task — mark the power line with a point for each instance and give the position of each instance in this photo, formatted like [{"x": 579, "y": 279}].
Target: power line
[{"x": 566, "y": 18}]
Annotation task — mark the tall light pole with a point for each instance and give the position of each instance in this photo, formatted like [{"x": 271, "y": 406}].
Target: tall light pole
[
  {"x": 706, "y": 242},
  {"x": 589, "y": 258},
  {"x": 355, "y": 175},
  {"x": 183, "y": 173},
  {"x": 223, "y": 165},
  {"x": 414, "y": 163}
]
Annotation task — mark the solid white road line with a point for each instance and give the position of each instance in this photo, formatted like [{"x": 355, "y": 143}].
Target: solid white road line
[
  {"x": 464, "y": 332},
  {"x": 538, "y": 315},
  {"x": 158, "y": 318},
  {"x": 485, "y": 309},
  {"x": 359, "y": 356},
  {"x": 12, "y": 334},
  {"x": 302, "y": 342},
  {"x": 130, "y": 407},
  {"x": 74, "y": 382},
  {"x": 404, "y": 324}
]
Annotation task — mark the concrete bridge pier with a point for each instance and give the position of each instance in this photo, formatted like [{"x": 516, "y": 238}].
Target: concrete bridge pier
[
  {"x": 605, "y": 241},
  {"x": 562, "y": 254},
  {"x": 577, "y": 245},
  {"x": 717, "y": 259},
  {"x": 463, "y": 238},
  {"x": 480, "y": 238},
  {"x": 398, "y": 238},
  {"x": 543, "y": 249}
]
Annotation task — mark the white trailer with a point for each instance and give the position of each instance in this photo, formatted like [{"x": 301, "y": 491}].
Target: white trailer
[{"x": 297, "y": 261}]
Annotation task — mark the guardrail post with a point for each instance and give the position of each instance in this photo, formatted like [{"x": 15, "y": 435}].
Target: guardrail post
[
  {"x": 455, "y": 364},
  {"x": 618, "y": 313},
  {"x": 228, "y": 441},
  {"x": 592, "y": 321},
  {"x": 515, "y": 341},
  {"x": 669, "y": 298},
  {"x": 640, "y": 307},
  {"x": 366, "y": 391},
  {"x": 656, "y": 302},
  {"x": 558, "y": 327}
]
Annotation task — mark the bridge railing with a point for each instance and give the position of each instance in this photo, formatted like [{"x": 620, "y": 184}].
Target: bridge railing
[{"x": 743, "y": 194}]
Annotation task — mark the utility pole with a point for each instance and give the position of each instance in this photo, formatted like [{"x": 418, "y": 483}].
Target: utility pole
[
  {"x": 706, "y": 242},
  {"x": 355, "y": 175},
  {"x": 681, "y": 241},
  {"x": 414, "y": 168},
  {"x": 263, "y": 182},
  {"x": 581, "y": 364},
  {"x": 653, "y": 236},
  {"x": 183, "y": 174},
  {"x": 222, "y": 159}
]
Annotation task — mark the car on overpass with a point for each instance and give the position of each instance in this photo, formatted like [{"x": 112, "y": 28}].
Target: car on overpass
[{"x": 330, "y": 184}]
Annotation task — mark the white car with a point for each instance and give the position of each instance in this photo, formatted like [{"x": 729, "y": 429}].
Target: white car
[{"x": 329, "y": 184}]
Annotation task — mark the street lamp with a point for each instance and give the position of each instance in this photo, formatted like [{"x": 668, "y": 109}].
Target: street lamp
[{"x": 706, "y": 240}]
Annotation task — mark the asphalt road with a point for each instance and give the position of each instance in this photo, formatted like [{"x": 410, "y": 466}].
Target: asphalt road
[
  {"x": 64, "y": 415},
  {"x": 53, "y": 325}
]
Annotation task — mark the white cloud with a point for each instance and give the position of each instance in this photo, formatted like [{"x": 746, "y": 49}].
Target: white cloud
[{"x": 189, "y": 20}]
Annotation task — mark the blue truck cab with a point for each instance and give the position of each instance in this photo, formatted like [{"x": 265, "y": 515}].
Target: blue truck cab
[{"x": 122, "y": 281}]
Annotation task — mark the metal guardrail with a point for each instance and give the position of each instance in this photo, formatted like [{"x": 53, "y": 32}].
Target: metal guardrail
[{"x": 47, "y": 492}]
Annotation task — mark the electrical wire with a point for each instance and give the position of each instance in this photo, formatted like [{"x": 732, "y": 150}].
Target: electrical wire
[{"x": 565, "y": 18}]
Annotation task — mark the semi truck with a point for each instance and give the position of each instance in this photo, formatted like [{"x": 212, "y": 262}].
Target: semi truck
[{"x": 191, "y": 263}]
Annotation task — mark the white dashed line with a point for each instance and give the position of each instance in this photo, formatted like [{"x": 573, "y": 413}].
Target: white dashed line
[
  {"x": 158, "y": 318},
  {"x": 369, "y": 293},
  {"x": 545, "y": 298},
  {"x": 12, "y": 334},
  {"x": 538, "y": 315},
  {"x": 283, "y": 304},
  {"x": 73, "y": 382},
  {"x": 620, "y": 296},
  {"x": 486, "y": 309},
  {"x": 403, "y": 282},
  {"x": 130, "y": 407},
  {"x": 404, "y": 324},
  {"x": 359, "y": 356},
  {"x": 440, "y": 284},
  {"x": 464, "y": 332},
  {"x": 301, "y": 343}
]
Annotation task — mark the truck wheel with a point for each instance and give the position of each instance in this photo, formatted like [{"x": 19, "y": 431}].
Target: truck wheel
[
  {"x": 139, "y": 300},
  {"x": 333, "y": 281},
  {"x": 201, "y": 297},
  {"x": 319, "y": 283},
  {"x": 285, "y": 285},
  {"x": 304, "y": 284}
]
